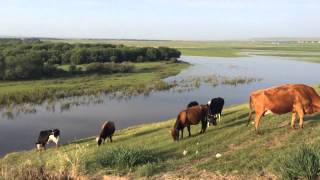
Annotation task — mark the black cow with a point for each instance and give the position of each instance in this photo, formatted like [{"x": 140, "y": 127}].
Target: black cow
[
  {"x": 216, "y": 106},
  {"x": 192, "y": 103},
  {"x": 107, "y": 130},
  {"x": 47, "y": 136}
]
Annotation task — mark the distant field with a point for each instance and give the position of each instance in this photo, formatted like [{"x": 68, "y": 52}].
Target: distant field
[{"x": 307, "y": 51}]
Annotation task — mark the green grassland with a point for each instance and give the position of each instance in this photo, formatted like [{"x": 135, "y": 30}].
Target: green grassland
[
  {"x": 300, "y": 51},
  {"x": 245, "y": 155},
  {"x": 36, "y": 91}
]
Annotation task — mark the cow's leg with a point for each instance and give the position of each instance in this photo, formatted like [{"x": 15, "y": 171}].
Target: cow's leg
[
  {"x": 301, "y": 115},
  {"x": 182, "y": 133},
  {"x": 189, "y": 130},
  {"x": 257, "y": 120},
  {"x": 219, "y": 117},
  {"x": 293, "y": 120},
  {"x": 110, "y": 139},
  {"x": 203, "y": 126}
]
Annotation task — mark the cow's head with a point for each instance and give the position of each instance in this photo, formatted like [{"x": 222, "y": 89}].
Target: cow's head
[
  {"x": 212, "y": 119},
  {"x": 99, "y": 141},
  {"x": 39, "y": 146},
  {"x": 175, "y": 134}
]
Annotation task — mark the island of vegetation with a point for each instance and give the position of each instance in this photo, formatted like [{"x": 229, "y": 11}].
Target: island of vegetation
[
  {"x": 34, "y": 59},
  {"x": 32, "y": 71}
]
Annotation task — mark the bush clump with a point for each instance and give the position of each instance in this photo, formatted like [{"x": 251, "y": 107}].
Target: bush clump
[
  {"x": 108, "y": 68},
  {"x": 127, "y": 157},
  {"x": 304, "y": 164}
]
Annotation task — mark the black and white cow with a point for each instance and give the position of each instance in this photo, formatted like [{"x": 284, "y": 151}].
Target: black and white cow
[
  {"x": 47, "y": 136},
  {"x": 215, "y": 107}
]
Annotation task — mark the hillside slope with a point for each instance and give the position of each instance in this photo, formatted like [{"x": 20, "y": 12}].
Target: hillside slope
[{"x": 244, "y": 153}]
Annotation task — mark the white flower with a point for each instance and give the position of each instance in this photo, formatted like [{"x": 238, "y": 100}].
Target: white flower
[
  {"x": 197, "y": 152},
  {"x": 197, "y": 143},
  {"x": 218, "y": 155},
  {"x": 185, "y": 152}
]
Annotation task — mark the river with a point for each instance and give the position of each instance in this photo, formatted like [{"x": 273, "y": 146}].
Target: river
[{"x": 20, "y": 132}]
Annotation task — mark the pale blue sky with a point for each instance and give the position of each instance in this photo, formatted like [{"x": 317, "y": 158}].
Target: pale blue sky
[{"x": 160, "y": 19}]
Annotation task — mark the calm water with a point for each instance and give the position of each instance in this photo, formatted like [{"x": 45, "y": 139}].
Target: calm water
[{"x": 21, "y": 132}]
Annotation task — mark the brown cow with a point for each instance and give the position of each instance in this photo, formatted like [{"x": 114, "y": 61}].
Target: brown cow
[
  {"x": 296, "y": 98},
  {"x": 107, "y": 130},
  {"x": 188, "y": 117}
]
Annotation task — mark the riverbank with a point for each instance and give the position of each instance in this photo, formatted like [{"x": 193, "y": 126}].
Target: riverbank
[
  {"x": 145, "y": 77},
  {"x": 148, "y": 150}
]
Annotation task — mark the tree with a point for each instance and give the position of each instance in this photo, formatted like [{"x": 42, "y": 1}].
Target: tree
[
  {"x": 2, "y": 66},
  {"x": 25, "y": 66},
  {"x": 152, "y": 54}
]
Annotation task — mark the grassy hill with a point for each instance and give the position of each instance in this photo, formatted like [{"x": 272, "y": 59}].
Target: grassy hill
[{"x": 148, "y": 151}]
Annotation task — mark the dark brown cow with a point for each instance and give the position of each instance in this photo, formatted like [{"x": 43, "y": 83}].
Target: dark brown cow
[
  {"x": 296, "y": 98},
  {"x": 188, "y": 117},
  {"x": 107, "y": 130}
]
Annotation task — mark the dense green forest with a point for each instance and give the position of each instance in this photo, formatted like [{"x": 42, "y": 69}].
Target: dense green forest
[{"x": 34, "y": 59}]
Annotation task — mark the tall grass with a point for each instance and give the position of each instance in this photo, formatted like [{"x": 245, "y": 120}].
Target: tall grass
[
  {"x": 126, "y": 157},
  {"x": 302, "y": 164}
]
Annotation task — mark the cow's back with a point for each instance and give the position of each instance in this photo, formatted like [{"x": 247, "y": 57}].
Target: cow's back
[
  {"x": 283, "y": 99},
  {"x": 108, "y": 128},
  {"x": 194, "y": 114}
]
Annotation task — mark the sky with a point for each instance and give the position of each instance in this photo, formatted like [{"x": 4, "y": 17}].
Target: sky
[{"x": 160, "y": 19}]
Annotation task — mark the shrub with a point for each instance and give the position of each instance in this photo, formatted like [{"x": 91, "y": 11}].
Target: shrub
[
  {"x": 49, "y": 70},
  {"x": 108, "y": 68},
  {"x": 73, "y": 69},
  {"x": 98, "y": 68},
  {"x": 304, "y": 164},
  {"x": 126, "y": 157}
]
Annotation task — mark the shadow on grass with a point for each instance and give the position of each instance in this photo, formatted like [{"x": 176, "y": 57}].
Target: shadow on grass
[{"x": 236, "y": 121}]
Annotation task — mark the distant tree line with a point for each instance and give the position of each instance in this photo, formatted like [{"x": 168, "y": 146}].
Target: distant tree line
[{"x": 32, "y": 58}]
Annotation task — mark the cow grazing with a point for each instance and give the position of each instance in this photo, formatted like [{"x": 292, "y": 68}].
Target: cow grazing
[
  {"x": 107, "y": 130},
  {"x": 47, "y": 136},
  {"x": 192, "y": 103},
  {"x": 216, "y": 106},
  {"x": 296, "y": 98},
  {"x": 188, "y": 117}
]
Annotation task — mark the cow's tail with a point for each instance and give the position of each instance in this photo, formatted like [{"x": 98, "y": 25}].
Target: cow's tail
[{"x": 251, "y": 110}]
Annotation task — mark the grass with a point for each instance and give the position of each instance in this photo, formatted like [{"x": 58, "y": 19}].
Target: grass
[
  {"x": 306, "y": 52},
  {"x": 213, "y": 52},
  {"x": 37, "y": 91},
  {"x": 244, "y": 153}
]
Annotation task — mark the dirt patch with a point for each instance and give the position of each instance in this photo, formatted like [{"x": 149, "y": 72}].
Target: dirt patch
[
  {"x": 203, "y": 175},
  {"x": 116, "y": 178}
]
